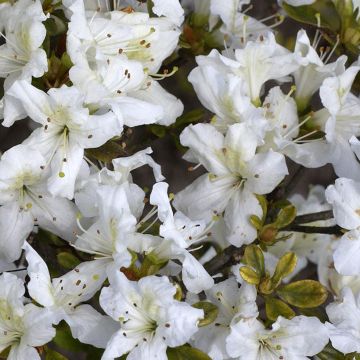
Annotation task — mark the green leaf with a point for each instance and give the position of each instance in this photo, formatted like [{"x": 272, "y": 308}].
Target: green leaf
[
  {"x": 67, "y": 260},
  {"x": 263, "y": 203},
  {"x": 210, "y": 312},
  {"x": 285, "y": 266},
  {"x": 308, "y": 14},
  {"x": 65, "y": 341},
  {"x": 5, "y": 353},
  {"x": 303, "y": 293},
  {"x": 250, "y": 275},
  {"x": 254, "y": 257},
  {"x": 54, "y": 355},
  {"x": 186, "y": 352},
  {"x": 158, "y": 130},
  {"x": 192, "y": 116},
  {"x": 275, "y": 307},
  {"x": 109, "y": 151},
  {"x": 285, "y": 216},
  {"x": 329, "y": 353},
  {"x": 256, "y": 222}
]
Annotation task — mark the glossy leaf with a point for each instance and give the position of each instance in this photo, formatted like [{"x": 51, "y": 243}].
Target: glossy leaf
[
  {"x": 303, "y": 293},
  {"x": 210, "y": 312}
]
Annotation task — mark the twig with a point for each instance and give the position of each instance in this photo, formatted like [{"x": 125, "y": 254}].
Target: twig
[
  {"x": 308, "y": 218},
  {"x": 331, "y": 230}
]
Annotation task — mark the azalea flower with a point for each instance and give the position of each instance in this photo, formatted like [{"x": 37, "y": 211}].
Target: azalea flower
[
  {"x": 23, "y": 326},
  {"x": 67, "y": 128},
  {"x": 234, "y": 303},
  {"x": 26, "y": 202},
  {"x": 149, "y": 317},
  {"x": 235, "y": 174},
  {"x": 344, "y": 326},
  {"x": 298, "y": 338},
  {"x": 63, "y": 296},
  {"x": 345, "y": 199},
  {"x": 22, "y": 56}
]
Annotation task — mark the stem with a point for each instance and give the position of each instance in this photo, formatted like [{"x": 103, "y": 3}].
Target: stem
[
  {"x": 331, "y": 230},
  {"x": 308, "y": 218}
]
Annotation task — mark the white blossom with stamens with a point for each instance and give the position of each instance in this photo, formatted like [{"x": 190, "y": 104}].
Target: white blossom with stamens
[
  {"x": 64, "y": 296},
  {"x": 86, "y": 188},
  {"x": 149, "y": 316},
  {"x": 26, "y": 202},
  {"x": 23, "y": 326},
  {"x": 298, "y": 338},
  {"x": 109, "y": 82},
  {"x": 235, "y": 174},
  {"x": 131, "y": 34},
  {"x": 66, "y": 130},
  {"x": 21, "y": 56},
  {"x": 234, "y": 302}
]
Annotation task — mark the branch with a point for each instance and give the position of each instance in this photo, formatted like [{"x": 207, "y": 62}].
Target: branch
[
  {"x": 331, "y": 230},
  {"x": 308, "y": 218}
]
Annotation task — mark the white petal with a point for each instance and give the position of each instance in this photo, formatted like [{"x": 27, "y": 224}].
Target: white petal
[
  {"x": 241, "y": 206},
  {"x": 15, "y": 227},
  {"x": 345, "y": 199},
  {"x": 90, "y": 327},
  {"x": 39, "y": 287},
  {"x": 265, "y": 171},
  {"x": 206, "y": 143},
  {"x": 347, "y": 254}
]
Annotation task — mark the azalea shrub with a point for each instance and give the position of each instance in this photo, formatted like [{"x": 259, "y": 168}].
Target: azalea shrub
[{"x": 252, "y": 252}]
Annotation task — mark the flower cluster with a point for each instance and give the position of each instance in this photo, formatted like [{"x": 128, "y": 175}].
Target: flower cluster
[{"x": 236, "y": 265}]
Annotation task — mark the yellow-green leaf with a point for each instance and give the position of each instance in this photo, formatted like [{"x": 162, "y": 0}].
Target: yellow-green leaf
[
  {"x": 250, "y": 275},
  {"x": 210, "y": 312},
  {"x": 256, "y": 222},
  {"x": 54, "y": 355},
  {"x": 67, "y": 260},
  {"x": 254, "y": 257},
  {"x": 303, "y": 293},
  {"x": 308, "y": 14},
  {"x": 275, "y": 307},
  {"x": 284, "y": 267},
  {"x": 285, "y": 216},
  {"x": 186, "y": 352},
  {"x": 107, "y": 152}
]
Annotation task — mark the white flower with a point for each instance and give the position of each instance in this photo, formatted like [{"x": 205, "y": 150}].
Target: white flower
[
  {"x": 237, "y": 27},
  {"x": 22, "y": 327},
  {"x": 340, "y": 121},
  {"x": 110, "y": 236},
  {"x": 224, "y": 94},
  {"x": 344, "y": 196},
  {"x": 344, "y": 328},
  {"x": 236, "y": 174},
  {"x": 66, "y": 130},
  {"x": 180, "y": 233},
  {"x": 86, "y": 189},
  {"x": 134, "y": 35},
  {"x": 110, "y": 82},
  {"x": 26, "y": 202},
  {"x": 311, "y": 74},
  {"x": 63, "y": 297},
  {"x": 233, "y": 303},
  {"x": 260, "y": 61},
  {"x": 149, "y": 316},
  {"x": 21, "y": 56},
  {"x": 298, "y": 338}
]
